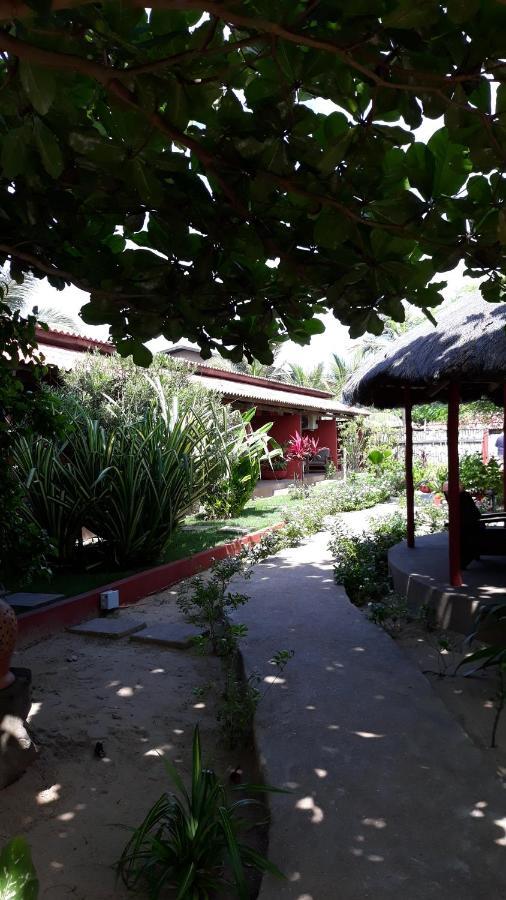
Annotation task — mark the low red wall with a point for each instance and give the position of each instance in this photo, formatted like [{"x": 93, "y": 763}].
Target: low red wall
[{"x": 59, "y": 615}]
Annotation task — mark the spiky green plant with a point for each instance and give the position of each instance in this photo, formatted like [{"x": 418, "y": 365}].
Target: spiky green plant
[
  {"x": 58, "y": 496},
  {"x": 190, "y": 842}
]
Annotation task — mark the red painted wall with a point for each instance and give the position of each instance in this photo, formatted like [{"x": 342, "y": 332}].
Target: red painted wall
[{"x": 283, "y": 428}]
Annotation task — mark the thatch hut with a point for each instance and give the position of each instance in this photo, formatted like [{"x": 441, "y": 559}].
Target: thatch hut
[{"x": 462, "y": 358}]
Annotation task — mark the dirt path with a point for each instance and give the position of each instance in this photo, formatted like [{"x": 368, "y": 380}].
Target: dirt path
[{"x": 138, "y": 701}]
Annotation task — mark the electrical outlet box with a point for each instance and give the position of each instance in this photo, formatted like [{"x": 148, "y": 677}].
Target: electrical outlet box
[{"x": 109, "y": 600}]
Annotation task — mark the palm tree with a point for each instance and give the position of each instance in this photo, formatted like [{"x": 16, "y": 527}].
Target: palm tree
[
  {"x": 23, "y": 299},
  {"x": 338, "y": 374},
  {"x": 262, "y": 370},
  {"x": 392, "y": 330},
  {"x": 314, "y": 377}
]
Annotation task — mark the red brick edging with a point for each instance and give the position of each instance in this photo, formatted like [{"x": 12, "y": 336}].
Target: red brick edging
[{"x": 72, "y": 610}]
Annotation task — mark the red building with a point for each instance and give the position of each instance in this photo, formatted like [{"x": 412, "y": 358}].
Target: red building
[{"x": 288, "y": 406}]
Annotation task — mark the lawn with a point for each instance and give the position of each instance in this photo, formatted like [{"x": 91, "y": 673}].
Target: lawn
[{"x": 203, "y": 535}]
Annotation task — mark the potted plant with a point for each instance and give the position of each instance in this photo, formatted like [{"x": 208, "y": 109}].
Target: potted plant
[{"x": 276, "y": 469}]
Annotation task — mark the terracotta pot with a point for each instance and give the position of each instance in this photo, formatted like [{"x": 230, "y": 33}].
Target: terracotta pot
[
  {"x": 8, "y": 635},
  {"x": 273, "y": 474}
]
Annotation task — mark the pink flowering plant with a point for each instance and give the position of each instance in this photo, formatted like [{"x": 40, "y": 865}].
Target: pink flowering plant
[{"x": 302, "y": 448}]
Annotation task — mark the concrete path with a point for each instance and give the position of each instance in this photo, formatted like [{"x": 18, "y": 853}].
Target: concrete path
[{"x": 390, "y": 799}]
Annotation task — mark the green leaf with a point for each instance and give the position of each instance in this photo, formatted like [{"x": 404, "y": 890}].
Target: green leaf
[
  {"x": 18, "y": 879},
  {"x": 39, "y": 84},
  {"x": 420, "y": 168},
  {"x": 331, "y": 229},
  {"x": 452, "y": 163},
  {"x": 313, "y": 326},
  {"x": 49, "y": 149},
  {"x": 462, "y": 10},
  {"x": 142, "y": 356},
  {"x": 500, "y": 100},
  {"x": 14, "y": 152},
  {"x": 115, "y": 242}
]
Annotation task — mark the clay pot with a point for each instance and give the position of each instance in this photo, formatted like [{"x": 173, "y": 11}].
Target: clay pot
[{"x": 8, "y": 635}]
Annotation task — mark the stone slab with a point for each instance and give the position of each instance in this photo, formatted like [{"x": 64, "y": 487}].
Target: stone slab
[
  {"x": 177, "y": 635},
  {"x": 27, "y": 600},
  {"x": 108, "y": 627}
]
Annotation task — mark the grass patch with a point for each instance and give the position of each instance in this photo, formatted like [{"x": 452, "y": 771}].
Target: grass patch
[{"x": 256, "y": 515}]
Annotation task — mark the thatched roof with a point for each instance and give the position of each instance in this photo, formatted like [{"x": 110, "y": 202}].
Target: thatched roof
[{"x": 468, "y": 345}]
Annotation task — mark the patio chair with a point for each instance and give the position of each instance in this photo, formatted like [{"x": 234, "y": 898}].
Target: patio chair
[
  {"x": 319, "y": 462},
  {"x": 481, "y": 534}
]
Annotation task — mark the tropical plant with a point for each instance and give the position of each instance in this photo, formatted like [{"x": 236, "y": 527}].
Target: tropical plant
[
  {"x": 59, "y": 494},
  {"x": 302, "y": 448},
  {"x": 490, "y": 630},
  {"x": 207, "y": 601},
  {"x": 244, "y": 449},
  {"x": 190, "y": 841},
  {"x": 24, "y": 409},
  {"x": 277, "y": 464},
  {"x": 479, "y": 477},
  {"x": 18, "y": 878},
  {"x": 338, "y": 374},
  {"x": 270, "y": 176},
  {"x": 130, "y": 485},
  {"x": 23, "y": 298},
  {"x": 313, "y": 378},
  {"x": 115, "y": 391},
  {"x": 362, "y": 560}
]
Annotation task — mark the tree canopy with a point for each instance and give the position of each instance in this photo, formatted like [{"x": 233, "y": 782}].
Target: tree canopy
[{"x": 170, "y": 162}]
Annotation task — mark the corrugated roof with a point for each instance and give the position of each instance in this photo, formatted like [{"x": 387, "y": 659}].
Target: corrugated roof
[
  {"x": 60, "y": 356},
  {"x": 255, "y": 393}
]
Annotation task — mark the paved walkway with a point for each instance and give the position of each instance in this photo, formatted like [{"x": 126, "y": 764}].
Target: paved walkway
[{"x": 390, "y": 799}]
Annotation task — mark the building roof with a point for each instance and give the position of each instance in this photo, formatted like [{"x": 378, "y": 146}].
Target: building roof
[
  {"x": 64, "y": 349},
  {"x": 468, "y": 346},
  {"x": 268, "y": 391}
]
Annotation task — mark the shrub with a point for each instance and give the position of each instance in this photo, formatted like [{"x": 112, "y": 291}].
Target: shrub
[
  {"x": 206, "y": 601},
  {"x": 478, "y": 477},
  {"x": 362, "y": 560},
  {"x": 115, "y": 391},
  {"x": 244, "y": 449},
  {"x": 189, "y": 840},
  {"x": 130, "y": 485}
]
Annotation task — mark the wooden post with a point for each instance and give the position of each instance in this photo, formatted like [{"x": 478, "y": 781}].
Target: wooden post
[
  {"x": 454, "y": 486},
  {"x": 504, "y": 449},
  {"x": 410, "y": 488}
]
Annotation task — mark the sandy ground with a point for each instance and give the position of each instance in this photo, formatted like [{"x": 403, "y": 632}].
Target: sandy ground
[
  {"x": 138, "y": 701},
  {"x": 472, "y": 700}
]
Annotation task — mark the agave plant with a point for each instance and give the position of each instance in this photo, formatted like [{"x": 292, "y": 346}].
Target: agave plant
[{"x": 190, "y": 842}]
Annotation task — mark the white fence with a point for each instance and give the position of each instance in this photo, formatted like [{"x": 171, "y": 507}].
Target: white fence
[{"x": 430, "y": 444}]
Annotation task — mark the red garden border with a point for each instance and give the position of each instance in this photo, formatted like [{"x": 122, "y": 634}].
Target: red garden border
[{"x": 71, "y": 610}]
